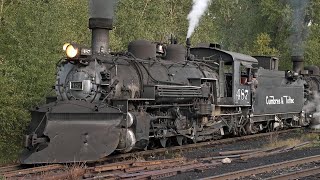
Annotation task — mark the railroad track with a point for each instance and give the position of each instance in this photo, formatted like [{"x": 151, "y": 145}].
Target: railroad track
[
  {"x": 166, "y": 168},
  {"x": 19, "y": 171},
  {"x": 137, "y": 169},
  {"x": 273, "y": 167},
  {"x": 298, "y": 174},
  {"x": 190, "y": 146},
  {"x": 10, "y": 168},
  {"x": 140, "y": 169}
]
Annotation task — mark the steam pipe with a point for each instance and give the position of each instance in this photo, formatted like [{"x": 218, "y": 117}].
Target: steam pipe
[{"x": 188, "y": 45}]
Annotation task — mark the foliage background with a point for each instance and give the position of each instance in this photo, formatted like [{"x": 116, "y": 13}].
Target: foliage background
[{"x": 32, "y": 33}]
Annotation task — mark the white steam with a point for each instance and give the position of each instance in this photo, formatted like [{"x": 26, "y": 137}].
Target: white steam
[
  {"x": 198, "y": 9},
  {"x": 313, "y": 107}
]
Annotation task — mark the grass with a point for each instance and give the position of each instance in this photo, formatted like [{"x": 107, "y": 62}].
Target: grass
[
  {"x": 175, "y": 154},
  {"x": 284, "y": 143},
  {"x": 133, "y": 158},
  {"x": 275, "y": 141},
  {"x": 72, "y": 172},
  {"x": 9, "y": 154},
  {"x": 311, "y": 137},
  {"x": 76, "y": 171}
]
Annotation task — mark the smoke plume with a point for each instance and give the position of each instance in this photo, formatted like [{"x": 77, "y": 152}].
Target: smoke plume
[
  {"x": 299, "y": 26},
  {"x": 313, "y": 107},
  {"x": 198, "y": 9}
]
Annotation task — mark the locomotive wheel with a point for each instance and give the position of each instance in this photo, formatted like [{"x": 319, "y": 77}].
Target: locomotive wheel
[
  {"x": 167, "y": 142},
  {"x": 163, "y": 142},
  {"x": 181, "y": 140},
  {"x": 242, "y": 131},
  {"x": 152, "y": 144},
  {"x": 270, "y": 127},
  {"x": 304, "y": 122}
]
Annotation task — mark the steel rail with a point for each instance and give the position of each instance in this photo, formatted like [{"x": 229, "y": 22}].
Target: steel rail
[
  {"x": 266, "y": 168},
  {"x": 191, "y": 146},
  {"x": 32, "y": 170},
  {"x": 297, "y": 174},
  {"x": 5, "y": 169}
]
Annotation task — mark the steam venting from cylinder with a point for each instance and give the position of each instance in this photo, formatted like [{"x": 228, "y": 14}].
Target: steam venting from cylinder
[
  {"x": 198, "y": 9},
  {"x": 100, "y": 22},
  {"x": 299, "y": 32}
]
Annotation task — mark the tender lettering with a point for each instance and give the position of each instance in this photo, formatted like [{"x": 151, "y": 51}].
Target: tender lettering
[{"x": 271, "y": 100}]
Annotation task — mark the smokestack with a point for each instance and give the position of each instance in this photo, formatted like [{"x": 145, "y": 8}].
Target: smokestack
[
  {"x": 100, "y": 22},
  {"x": 297, "y": 63}
]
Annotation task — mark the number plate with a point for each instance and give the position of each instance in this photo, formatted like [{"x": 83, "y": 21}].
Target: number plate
[{"x": 76, "y": 85}]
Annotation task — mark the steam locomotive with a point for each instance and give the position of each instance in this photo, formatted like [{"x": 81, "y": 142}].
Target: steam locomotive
[{"x": 156, "y": 94}]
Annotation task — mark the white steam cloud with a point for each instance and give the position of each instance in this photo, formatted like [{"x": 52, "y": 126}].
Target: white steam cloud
[
  {"x": 198, "y": 9},
  {"x": 313, "y": 107}
]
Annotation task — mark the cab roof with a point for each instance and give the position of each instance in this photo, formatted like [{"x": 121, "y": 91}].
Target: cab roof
[{"x": 219, "y": 54}]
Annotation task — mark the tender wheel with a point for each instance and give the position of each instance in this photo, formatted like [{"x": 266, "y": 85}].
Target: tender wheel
[{"x": 251, "y": 129}]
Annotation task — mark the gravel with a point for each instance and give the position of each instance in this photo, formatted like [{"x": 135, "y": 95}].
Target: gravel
[
  {"x": 242, "y": 145},
  {"x": 282, "y": 171}
]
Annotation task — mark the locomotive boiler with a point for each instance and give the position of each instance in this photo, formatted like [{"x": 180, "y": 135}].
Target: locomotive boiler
[{"x": 156, "y": 94}]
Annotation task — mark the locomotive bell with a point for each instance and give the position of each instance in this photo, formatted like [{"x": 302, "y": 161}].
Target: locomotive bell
[{"x": 160, "y": 48}]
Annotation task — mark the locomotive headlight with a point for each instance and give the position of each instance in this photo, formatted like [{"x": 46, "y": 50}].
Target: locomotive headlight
[
  {"x": 76, "y": 52},
  {"x": 72, "y": 51}
]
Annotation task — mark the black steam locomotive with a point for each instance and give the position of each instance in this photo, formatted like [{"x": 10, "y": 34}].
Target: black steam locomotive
[{"x": 154, "y": 94}]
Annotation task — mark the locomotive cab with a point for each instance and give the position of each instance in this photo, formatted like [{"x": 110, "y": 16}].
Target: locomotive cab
[{"x": 235, "y": 74}]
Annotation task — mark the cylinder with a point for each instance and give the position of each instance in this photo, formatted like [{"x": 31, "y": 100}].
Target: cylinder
[
  {"x": 127, "y": 140},
  {"x": 130, "y": 119},
  {"x": 101, "y": 14}
]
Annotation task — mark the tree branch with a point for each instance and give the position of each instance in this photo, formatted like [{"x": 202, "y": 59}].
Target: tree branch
[
  {"x": 144, "y": 9},
  {"x": 1, "y": 10}
]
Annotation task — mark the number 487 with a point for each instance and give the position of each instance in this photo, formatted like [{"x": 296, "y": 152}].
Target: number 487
[{"x": 242, "y": 94}]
